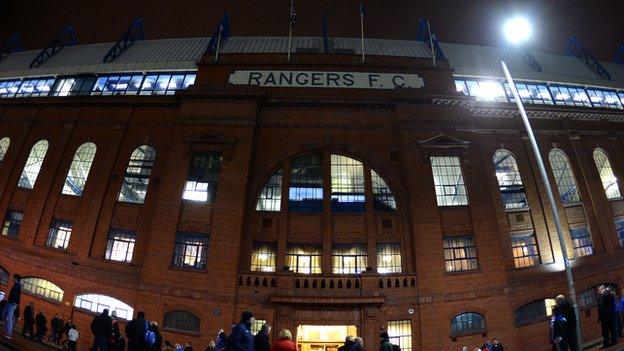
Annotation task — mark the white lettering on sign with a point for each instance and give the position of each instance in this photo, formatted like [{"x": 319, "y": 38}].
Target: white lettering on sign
[{"x": 320, "y": 79}]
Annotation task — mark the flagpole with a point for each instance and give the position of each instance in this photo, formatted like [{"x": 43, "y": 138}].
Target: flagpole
[
  {"x": 290, "y": 25},
  {"x": 362, "y": 30},
  {"x": 431, "y": 43},
  {"x": 218, "y": 43}
]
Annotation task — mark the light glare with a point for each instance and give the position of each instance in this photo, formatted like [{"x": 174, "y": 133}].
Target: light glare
[{"x": 517, "y": 30}]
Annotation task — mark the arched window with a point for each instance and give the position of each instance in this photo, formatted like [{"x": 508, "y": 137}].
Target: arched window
[
  {"x": 509, "y": 181},
  {"x": 79, "y": 169},
  {"x": 347, "y": 184},
  {"x": 4, "y": 147},
  {"x": 97, "y": 303},
  {"x": 609, "y": 181},
  {"x": 42, "y": 288},
  {"x": 136, "y": 180},
  {"x": 384, "y": 200},
  {"x": 33, "y": 165},
  {"x": 4, "y": 276},
  {"x": 270, "y": 198},
  {"x": 468, "y": 323},
  {"x": 535, "y": 311},
  {"x": 181, "y": 320},
  {"x": 589, "y": 297},
  {"x": 306, "y": 184},
  {"x": 564, "y": 178}
]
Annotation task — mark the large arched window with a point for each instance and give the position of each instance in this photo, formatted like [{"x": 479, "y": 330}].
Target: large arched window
[
  {"x": 270, "y": 198},
  {"x": 42, "y": 288},
  {"x": 306, "y": 184},
  {"x": 509, "y": 181},
  {"x": 609, "y": 181},
  {"x": 347, "y": 184},
  {"x": 384, "y": 200},
  {"x": 33, "y": 165},
  {"x": 535, "y": 311},
  {"x": 136, "y": 179},
  {"x": 589, "y": 297},
  {"x": 79, "y": 169},
  {"x": 4, "y": 147},
  {"x": 97, "y": 303},
  {"x": 181, "y": 320},
  {"x": 564, "y": 177},
  {"x": 467, "y": 323}
]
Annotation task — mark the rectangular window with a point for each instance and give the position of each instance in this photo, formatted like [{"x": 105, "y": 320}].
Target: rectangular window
[
  {"x": 604, "y": 98},
  {"x": 203, "y": 177},
  {"x": 389, "y": 258},
  {"x": 304, "y": 258},
  {"x": 191, "y": 250},
  {"x": 306, "y": 184},
  {"x": 120, "y": 245},
  {"x": 448, "y": 181},
  {"x": 581, "y": 241},
  {"x": 524, "y": 248},
  {"x": 531, "y": 93},
  {"x": 569, "y": 96},
  {"x": 256, "y": 325},
  {"x": 35, "y": 87},
  {"x": 349, "y": 258},
  {"x": 263, "y": 257},
  {"x": 400, "y": 333},
  {"x": 460, "y": 253},
  {"x": 72, "y": 86},
  {"x": 59, "y": 234},
  {"x": 12, "y": 222},
  {"x": 8, "y": 88},
  {"x": 619, "y": 228},
  {"x": 270, "y": 198},
  {"x": 347, "y": 184}
]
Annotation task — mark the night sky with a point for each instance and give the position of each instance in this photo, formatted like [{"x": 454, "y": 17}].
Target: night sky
[{"x": 598, "y": 24}]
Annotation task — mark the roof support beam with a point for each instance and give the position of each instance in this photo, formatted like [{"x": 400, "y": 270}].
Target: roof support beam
[
  {"x": 132, "y": 34},
  {"x": 14, "y": 44},
  {"x": 576, "y": 49},
  {"x": 66, "y": 37}
]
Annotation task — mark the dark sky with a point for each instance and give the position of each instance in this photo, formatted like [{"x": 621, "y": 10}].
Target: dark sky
[{"x": 599, "y": 24}]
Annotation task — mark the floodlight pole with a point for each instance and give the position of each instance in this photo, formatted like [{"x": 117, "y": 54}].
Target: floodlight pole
[{"x": 551, "y": 200}]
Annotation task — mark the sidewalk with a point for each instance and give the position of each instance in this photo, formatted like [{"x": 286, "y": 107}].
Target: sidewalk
[{"x": 595, "y": 345}]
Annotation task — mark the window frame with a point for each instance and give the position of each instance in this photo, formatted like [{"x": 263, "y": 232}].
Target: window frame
[
  {"x": 271, "y": 256},
  {"x": 80, "y": 165},
  {"x": 7, "y": 227},
  {"x": 138, "y": 172},
  {"x": 46, "y": 290},
  {"x": 34, "y": 164},
  {"x": 202, "y": 175},
  {"x": 449, "y": 248},
  {"x": 532, "y": 310},
  {"x": 57, "y": 224},
  {"x": 395, "y": 251},
  {"x": 170, "y": 314},
  {"x": 571, "y": 178},
  {"x": 129, "y": 312},
  {"x": 459, "y": 197},
  {"x": 343, "y": 253},
  {"x": 463, "y": 331},
  {"x": 311, "y": 251},
  {"x": 130, "y": 245},
  {"x": 200, "y": 249},
  {"x": 575, "y": 240}
]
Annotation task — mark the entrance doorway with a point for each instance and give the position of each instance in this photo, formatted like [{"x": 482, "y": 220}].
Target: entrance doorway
[{"x": 323, "y": 337}]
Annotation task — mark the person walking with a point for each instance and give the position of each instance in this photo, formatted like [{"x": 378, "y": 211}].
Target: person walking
[
  {"x": 60, "y": 331},
  {"x": 241, "y": 338},
  {"x": 284, "y": 342},
  {"x": 72, "y": 338},
  {"x": 606, "y": 316},
  {"x": 135, "y": 332},
  {"x": 54, "y": 326},
  {"x": 347, "y": 344},
  {"x": 41, "y": 324},
  {"x": 29, "y": 321},
  {"x": 384, "y": 344},
  {"x": 102, "y": 329},
  {"x": 262, "y": 339},
  {"x": 564, "y": 307},
  {"x": 12, "y": 304}
]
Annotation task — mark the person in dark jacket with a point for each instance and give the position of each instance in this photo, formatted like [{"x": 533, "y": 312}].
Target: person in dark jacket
[
  {"x": 347, "y": 344},
  {"x": 67, "y": 327},
  {"x": 188, "y": 347},
  {"x": 358, "y": 344},
  {"x": 29, "y": 321},
  {"x": 12, "y": 303},
  {"x": 59, "y": 330},
  {"x": 262, "y": 340},
  {"x": 159, "y": 339},
  {"x": 221, "y": 341},
  {"x": 606, "y": 316},
  {"x": 565, "y": 308},
  {"x": 135, "y": 331},
  {"x": 384, "y": 344},
  {"x": 54, "y": 326},
  {"x": 102, "y": 329},
  {"x": 557, "y": 332},
  {"x": 241, "y": 337},
  {"x": 496, "y": 345},
  {"x": 118, "y": 343},
  {"x": 41, "y": 326},
  {"x": 212, "y": 346}
]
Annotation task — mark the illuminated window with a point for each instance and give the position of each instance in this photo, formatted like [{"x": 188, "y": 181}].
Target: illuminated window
[
  {"x": 136, "y": 179},
  {"x": 256, "y": 325},
  {"x": 191, "y": 251},
  {"x": 604, "y": 98},
  {"x": 400, "y": 333},
  {"x": 485, "y": 90},
  {"x": 564, "y": 178},
  {"x": 581, "y": 241},
  {"x": 389, "y": 258},
  {"x": 97, "y": 303},
  {"x": 59, "y": 234},
  {"x": 569, "y": 96},
  {"x": 4, "y": 277},
  {"x": 467, "y": 323},
  {"x": 127, "y": 84},
  {"x": 12, "y": 223},
  {"x": 181, "y": 320},
  {"x": 203, "y": 177},
  {"x": 79, "y": 169},
  {"x": 306, "y": 184},
  {"x": 524, "y": 248},
  {"x": 347, "y": 184},
  {"x": 263, "y": 257},
  {"x": 33, "y": 165},
  {"x": 35, "y": 87},
  {"x": 304, "y": 259},
  {"x": 349, "y": 258},
  {"x": 448, "y": 181},
  {"x": 589, "y": 297},
  {"x": 270, "y": 198},
  {"x": 120, "y": 245},
  {"x": 609, "y": 181},
  {"x": 382, "y": 195},
  {"x": 619, "y": 228},
  {"x": 9, "y": 88},
  {"x": 42, "y": 288},
  {"x": 536, "y": 311},
  {"x": 509, "y": 181},
  {"x": 460, "y": 253},
  {"x": 531, "y": 93},
  {"x": 72, "y": 86},
  {"x": 4, "y": 147}
]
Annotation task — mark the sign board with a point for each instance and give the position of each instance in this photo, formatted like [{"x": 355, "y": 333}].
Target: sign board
[{"x": 322, "y": 79}]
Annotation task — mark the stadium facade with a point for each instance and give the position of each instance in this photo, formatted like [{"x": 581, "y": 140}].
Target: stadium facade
[{"x": 326, "y": 194}]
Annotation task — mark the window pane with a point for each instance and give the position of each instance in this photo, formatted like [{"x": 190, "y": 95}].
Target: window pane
[
  {"x": 12, "y": 223},
  {"x": 306, "y": 184},
  {"x": 263, "y": 257},
  {"x": 389, "y": 258},
  {"x": 203, "y": 177},
  {"x": 42, "y": 288},
  {"x": 524, "y": 248},
  {"x": 509, "y": 181},
  {"x": 564, "y": 178},
  {"x": 467, "y": 323},
  {"x": 448, "y": 181},
  {"x": 383, "y": 198},
  {"x": 400, "y": 333},
  {"x": 136, "y": 179},
  {"x": 4, "y": 147},
  {"x": 33, "y": 165},
  {"x": 347, "y": 184},
  {"x": 270, "y": 198},
  {"x": 459, "y": 253},
  {"x": 120, "y": 245},
  {"x": 304, "y": 258},
  {"x": 181, "y": 320},
  {"x": 97, "y": 303},
  {"x": 79, "y": 169},
  {"x": 581, "y": 241},
  {"x": 349, "y": 258},
  {"x": 619, "y": 228},
  {"x": 609, "y": 181},
  {"x": 536, "y": 311},
  {"x": 191, "y": 251},
  {"x": 59, "y": 234}
]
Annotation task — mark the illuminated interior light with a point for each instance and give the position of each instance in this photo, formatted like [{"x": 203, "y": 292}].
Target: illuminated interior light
[
  {"x": 544, "y": 96},
  {"x": 387, "y": 258},
  {"x": 524, "y": 93},
  {"x": 263, "y": 257},
  {"x": 489, "y": 90},
  {"x": 595, "y": 99}
]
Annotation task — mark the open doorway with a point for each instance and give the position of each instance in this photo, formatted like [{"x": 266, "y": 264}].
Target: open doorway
[{"x": 323, "y": 337}]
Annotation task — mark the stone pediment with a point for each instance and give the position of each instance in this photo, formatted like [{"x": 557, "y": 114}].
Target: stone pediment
[{"x": 443, "y": 141}]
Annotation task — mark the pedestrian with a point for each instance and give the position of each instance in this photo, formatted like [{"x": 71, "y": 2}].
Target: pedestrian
[
  {"x": 384, "y": 344},
  {"x": 358, "y": 344},
  {"x": 558, "y": 331},
  {"x": 262, "y": 339},
  {"x": 135, "y": 332},
  {"x": 29, "y": 321},
  {"x": 67, "y": 327},
  {"x": 241, "y": 338},
  {"x": 179, "y": 347},
  {"x": 41, "y": 326},
  {"x": 12, "y": 303},
  {"x": 60, "y": 331},
  {"x": 487, "y": 346},
  {"x": 221, "y": 340},
  {"x": 117, "y": 340},
  {"x": 156, "y": 345},
  {"x": 347, "y": 344},
  {"x": 565, "y": 308},
  {"x": 212, "y": 346},
  {"x": 284, "y": 342},
  {"x": 496, "y": 345},
  {"x": 102, "y": 329},
  {"x": 188, "y": 347},
  {"x": 606, "y": 316},
  {"x": 54, "y": 326},
  {"x": 72, "y": 338}
]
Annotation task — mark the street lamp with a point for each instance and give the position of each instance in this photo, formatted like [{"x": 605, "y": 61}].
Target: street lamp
[{"x": 518, "y": 30}]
